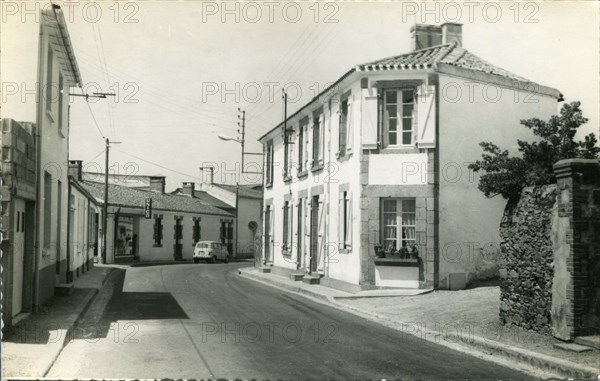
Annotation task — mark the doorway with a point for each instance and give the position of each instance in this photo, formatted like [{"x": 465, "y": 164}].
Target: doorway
[
  {"x": 314, "y": 233},
  {"x": 268, "y": 234}
]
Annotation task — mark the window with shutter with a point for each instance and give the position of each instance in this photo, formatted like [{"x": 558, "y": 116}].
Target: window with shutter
[
  {"x": 398, "y": 117},
  {"x": 398, "y": 221},
  {"x": 343, "y": 125}
]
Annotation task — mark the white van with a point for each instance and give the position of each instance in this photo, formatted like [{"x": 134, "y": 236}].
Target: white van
[{"x": 210, "y": 251}]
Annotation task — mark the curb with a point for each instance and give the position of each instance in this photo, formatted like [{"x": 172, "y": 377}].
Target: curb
[
  {"x": 76, "y": 318},
  {"x": 539, "y": 361}
]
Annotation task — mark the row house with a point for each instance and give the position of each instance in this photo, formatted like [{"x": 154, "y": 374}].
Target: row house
[
  {"x": 368, "y": 184},
  {"x": 152, "y": 225},
  {"x": 45, "y": 226}
]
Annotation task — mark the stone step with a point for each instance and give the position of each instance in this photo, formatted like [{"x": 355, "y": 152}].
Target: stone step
[
  {"x": 64, "y": 289},
  {"x": 571, "y": 347},
  {"x": 296, "y": 277},
  {"x": 311, "y": 279},
  {"x": 589, "y": 341},
  {"x": 264, "y": 269}
]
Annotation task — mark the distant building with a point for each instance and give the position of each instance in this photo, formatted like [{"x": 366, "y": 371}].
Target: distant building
[
  {"x": 140, "y": 182},
  {"x": 379, "y": 165},
  {"x": 174, "y": 225}
]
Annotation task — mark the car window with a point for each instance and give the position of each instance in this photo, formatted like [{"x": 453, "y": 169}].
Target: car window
[{"x": 202, "y": 245}]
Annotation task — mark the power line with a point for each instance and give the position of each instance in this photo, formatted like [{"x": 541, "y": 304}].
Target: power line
[
  {"x": 94, "y": 118},
  {"x": 158, "y": 165}
]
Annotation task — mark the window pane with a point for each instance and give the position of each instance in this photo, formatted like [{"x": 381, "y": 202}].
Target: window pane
[
  {"x": 408, "y": 243},
  {"x": 393, "y": 140},
  {"x": 408, "y": 206},
  {"x": 407, "y": 96},
  {"x": 392, "y": 111},
  {"x": 390, "y": 97},
  {"x": 393, "y": 125},
  {"x": 407, "y": 124},
  {"x": 390, "y": 232},
  {"x": 408, "y": 218},
  {"x": 408, "y": 233},
  {"x": 407, "y": 110},
  {"x": 389, "y": 205},
  {"x": 389, "y": 219},
  {"x": 406, "y": 138}
]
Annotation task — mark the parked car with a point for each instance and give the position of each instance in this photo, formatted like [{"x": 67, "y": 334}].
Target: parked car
[{"x": 210, "y": 251}]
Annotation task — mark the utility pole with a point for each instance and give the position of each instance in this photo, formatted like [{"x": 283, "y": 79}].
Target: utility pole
[{"x": 105, "y": 209}]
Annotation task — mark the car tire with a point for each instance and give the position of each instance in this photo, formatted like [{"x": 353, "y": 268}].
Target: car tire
[{"x": 196, "y": 260}]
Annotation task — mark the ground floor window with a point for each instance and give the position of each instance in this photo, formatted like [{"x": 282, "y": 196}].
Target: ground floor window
[
  {"x": 398, "y": 221},
  {"x": 196, "y": 231},
  {"x": 158, "y": 231}
]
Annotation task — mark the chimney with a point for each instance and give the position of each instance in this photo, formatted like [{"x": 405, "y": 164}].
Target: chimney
[
  {"x": 157, "y": 184},
  {"x": 74, "y": 169},
  {"x": 452, "y": 32},
  {"x": 188, "y": 188},
  {"x": 425, "y": 36}
]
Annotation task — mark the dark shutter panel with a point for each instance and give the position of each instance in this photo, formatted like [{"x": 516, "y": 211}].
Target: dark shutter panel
[
  {"x": 199, "y": 232},
  {"x": 155, "y": 230},
  {"x": 379, "y": 118},
  {"x": 230, "y": 232}
]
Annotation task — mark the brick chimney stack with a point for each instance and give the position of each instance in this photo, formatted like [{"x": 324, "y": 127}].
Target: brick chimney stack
[
  {"x": 425, "y": 36},
  {"x": 75, "y": 170},
  {"x": 452, "y": 32},
  {"x": 157, "y": 184},
  {"x": 188, "y": 188}
]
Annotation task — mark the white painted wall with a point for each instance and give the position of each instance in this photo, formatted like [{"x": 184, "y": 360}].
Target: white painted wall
[{"x": 467, "y": 217}]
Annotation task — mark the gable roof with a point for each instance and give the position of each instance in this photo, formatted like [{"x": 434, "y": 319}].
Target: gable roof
[
  {"x": 437, "y": 58},
  {"x": 134, "y": 198},
  {"x": 450, "y": 54}
]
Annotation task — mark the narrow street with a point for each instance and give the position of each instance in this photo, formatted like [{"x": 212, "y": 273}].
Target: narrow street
[{"x": 204, "y": 321}]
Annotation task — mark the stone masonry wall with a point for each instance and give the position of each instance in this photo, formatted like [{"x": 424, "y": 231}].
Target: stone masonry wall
[{"x": 526, "y": 267}]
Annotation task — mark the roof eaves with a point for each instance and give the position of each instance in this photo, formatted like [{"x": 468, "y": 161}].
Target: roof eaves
[{"x": 316, "y": 98}]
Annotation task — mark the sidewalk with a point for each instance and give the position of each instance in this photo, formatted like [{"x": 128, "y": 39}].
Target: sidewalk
[
  {"x": 30, "y": 348},
  {"x": 463, "y": 320}
]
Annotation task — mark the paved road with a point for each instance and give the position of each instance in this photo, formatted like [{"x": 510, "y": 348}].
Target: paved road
[{"x": 204, "y": 321}]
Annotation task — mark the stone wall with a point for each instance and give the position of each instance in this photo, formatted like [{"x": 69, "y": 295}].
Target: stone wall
[{"x": 526, "y": 267}]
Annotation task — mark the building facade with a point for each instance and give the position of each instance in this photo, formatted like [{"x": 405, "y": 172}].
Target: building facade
[
  {"x": 57, "y": 74},
  {"x": 151, "y": 225},
  {"x": 370, "y": 186},
  {"x": 18, "y": 173}
]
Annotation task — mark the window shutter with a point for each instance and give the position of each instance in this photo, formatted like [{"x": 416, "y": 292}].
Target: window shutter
[
  {"x": 349, "y": 126},
  {"x": 348, "y": 241},
  {"x": 321, "y": 235},
  {"x": 291, "y": 226},
  {"x": 369, "y": 119},
  {"x": 230, "y": 231},
  {"x": 341, "y": 221},
  {"x": 199, "y": 232},
  {"x": 379, "y": 118},
  {"x": 425, "y": 115}
]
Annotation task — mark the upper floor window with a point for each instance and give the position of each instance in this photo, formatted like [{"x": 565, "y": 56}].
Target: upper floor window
[
  {"x": 398, "y": 110},
  {"x": 317, "y": 149},
  {"x": 269, "y": 166},
  {"x": 343, "y": 133},
  {"x": 49, "y": 86},
  {"x": 289, "y": 154},
  {"x": 60, "y": 101},
  {"x": 302, "y": 144}
]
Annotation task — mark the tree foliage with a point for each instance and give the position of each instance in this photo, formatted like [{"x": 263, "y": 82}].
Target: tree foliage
[{"x": 507, "y": 176}]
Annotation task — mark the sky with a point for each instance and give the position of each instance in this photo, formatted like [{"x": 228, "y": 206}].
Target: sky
[{"x": 181, "y": 69}]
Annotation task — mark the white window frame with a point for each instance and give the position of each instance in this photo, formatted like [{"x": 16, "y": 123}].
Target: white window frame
[
  {"x": 399, "y": 117},
  {"x": 401, "y": 218}
]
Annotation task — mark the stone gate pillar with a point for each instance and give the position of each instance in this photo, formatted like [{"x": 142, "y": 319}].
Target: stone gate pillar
[{"x": 576, "y": 235}]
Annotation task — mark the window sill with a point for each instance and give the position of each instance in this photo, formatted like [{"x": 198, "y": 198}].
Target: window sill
[
  {"x": 286, "y": 253},
  {"x": 345, "y": 251},
  {"x": 397, "y": 262},
  {"x": 269, "y": 185},
  {"x": 399, "y": 150},
  {"x": 287, "y": 179},
  {"x": 302, "y": 174},
  {"x": 345, "y": 156},
  {"x": 316, "y": 167},
  {"x": 155, "y": 245},
  {"x": 49, "y": 115}
]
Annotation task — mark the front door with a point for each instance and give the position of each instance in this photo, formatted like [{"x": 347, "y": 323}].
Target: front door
[
  {"x": 18, "y": 256},
  {"x": 300, "y": 238},
  {"x": 314, "y": 233}
]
